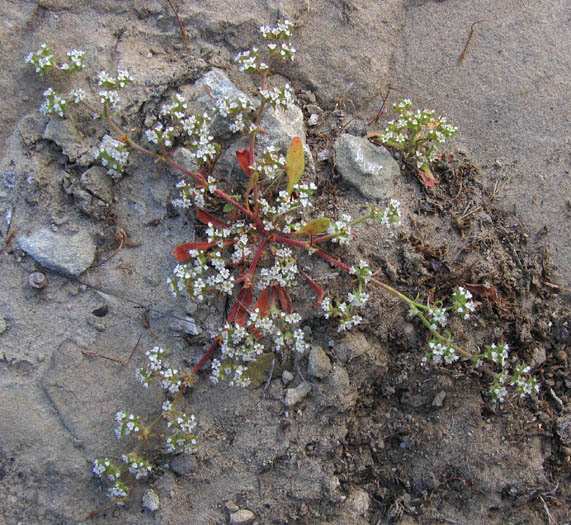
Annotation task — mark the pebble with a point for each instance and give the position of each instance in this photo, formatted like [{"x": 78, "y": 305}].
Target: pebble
[
  {"x": 287, "y": 377},
  {"x": 242, "y": 517},
  {"x": 296, "y": 395},
  {"x": 185, "y": 325},
  {"x": 370, "y": 169},
  {"x": 319, "y": 364},
  {"x": 151, "y": 500},
  {"x": 183, "y": 465},
  {"x": 3, "y": 324},
  {"x": 71, "y": 255},
  {"x": 313, "y": 119},
  {"x": 438, "y": 400}
]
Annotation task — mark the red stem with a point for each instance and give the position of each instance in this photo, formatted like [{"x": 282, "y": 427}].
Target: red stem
[
  {"x": 205, "y": 357},
  {"x": 319, "y": 253}
]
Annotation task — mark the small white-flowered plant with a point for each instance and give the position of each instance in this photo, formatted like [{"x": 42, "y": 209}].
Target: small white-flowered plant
[
  {"x": 255, "y": 245},
  {"x": 418, "y": 133}
]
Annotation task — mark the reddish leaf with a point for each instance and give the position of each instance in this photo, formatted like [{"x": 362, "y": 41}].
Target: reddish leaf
[
  {"x": 243, "y": 302},
  {"x": 181, "y": 251},
  {"x": 243, "y": 156},
  {"x": 317, "y": 289},
  {"x": 285, "y": 299},
  {"x": 428, "y": 178},
  {"x": 263, "y": 304},
  {"x": 295, "y": 163},
  {"x": 205, "y": 218},
  {"x": 488, "y": 292}
]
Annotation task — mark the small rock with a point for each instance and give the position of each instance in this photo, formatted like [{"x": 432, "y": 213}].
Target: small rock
[
  {"x": 313, "y": 119},
  {"x": 151, "y": 501},
  {"x": 242, "y": 517},
  {"x": 296, "y": 395},
  {"x": 37, "y": 280},
  {"x": 358, "y": 502},
  {"x": 71, "y": 255},
  {"x": 186, "y": 325},
  {"x": 319, "y": 364},
  {"x": 183, "y": 465},
  {"x": 371, "y": 169},
  {"x": 323, "y": 155},
  {"x": 538, "y": 356},
  {"x": 287, "y": 377},
  {"x": 341, "y": 394},
  {"x": 313, "y": 109},
  {"x": 3, "y": 325},
  {"x": 438, "y": 400},
  {"x": 231, "y": 506},
  {"x": 62, "y": 133}
]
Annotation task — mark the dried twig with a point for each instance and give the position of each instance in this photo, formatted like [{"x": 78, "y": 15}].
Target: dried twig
[
  {"x": 182, "y": 32},
  {"x": 472, "y": 29}
]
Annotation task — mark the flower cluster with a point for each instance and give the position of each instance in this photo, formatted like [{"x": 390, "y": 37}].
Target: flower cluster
[
  {"x": 42, "y": 60},
  {"x": 160, "y": 135},
  {"x": 176, "y": 109},
  {"x": 109, "y": 96},
  {"x": 389, "y": 216},
  {"x": 241, "y": 345},
  {"x": 356, "y": 299},
  {"x": 418, "y": 133},
  {"x": 53, "y": 104},
  {"x": 75, "y": 61},
  {"x": 137, "y": 465},
  {"x": 113, "y": 155},
  {"x": 439, "y": 352},
  {"x": 106, "y": 469},
  {"x": 278, "y": 46},
  {"x": 278, "y": 97},
  {"x": 341, "y": 230},
  {"x": 182, "y": 427},
  {"x": 462, "y": 302},
  {"x": 171, "y": 379},
  {"x": 128, "y": 424}
]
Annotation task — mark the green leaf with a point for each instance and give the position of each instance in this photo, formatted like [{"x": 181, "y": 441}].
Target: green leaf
[
  {"x": 228, "y": 207},
  {"x": 314, "y": 227},
  {"x": 295, "y": 163}
]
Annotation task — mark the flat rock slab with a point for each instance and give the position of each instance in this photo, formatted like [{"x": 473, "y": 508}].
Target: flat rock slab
[
  {"x": 367, "y": 167},
  {"x": 68, "y": 254}
]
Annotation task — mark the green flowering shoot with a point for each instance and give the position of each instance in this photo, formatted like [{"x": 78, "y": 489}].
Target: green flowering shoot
[{"x": 418, "y": 134}]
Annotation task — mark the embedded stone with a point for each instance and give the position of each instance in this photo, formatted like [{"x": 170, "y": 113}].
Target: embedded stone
[
  {"x": 242, "y": 517},
  {"x": 319, "y": 364},
  {"x": 369, "y": 168},
  {"x": 68, "y": 254},
  {"x": 297, "y": 395}
]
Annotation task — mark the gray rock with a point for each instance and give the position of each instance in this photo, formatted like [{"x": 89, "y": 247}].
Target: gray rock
[
  {"x": 369, "y": 168},
  {"x": 151, "y": 501},
  {"x": 62, "y": 133},
  {"x": 319, "y": 364},
  {"x": 438, "y": 400},
  {"x": 538, "y": 356},
  {"x": 287, "y": 377},
  {"x": 185, "y": 325},
  {"x": 296, "y": 395},
  {"x": 68, "y": 254},
  {"x": 219, "y": 86},
  {"x": 183, "y": 465},
  {"x": 92, "y": 193},
  {"x": 340, "y": 393},
  {"x": 313, "y": 119},
  {"x": 358, "y": 502},
  {"x": 242, "y": 517}
]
